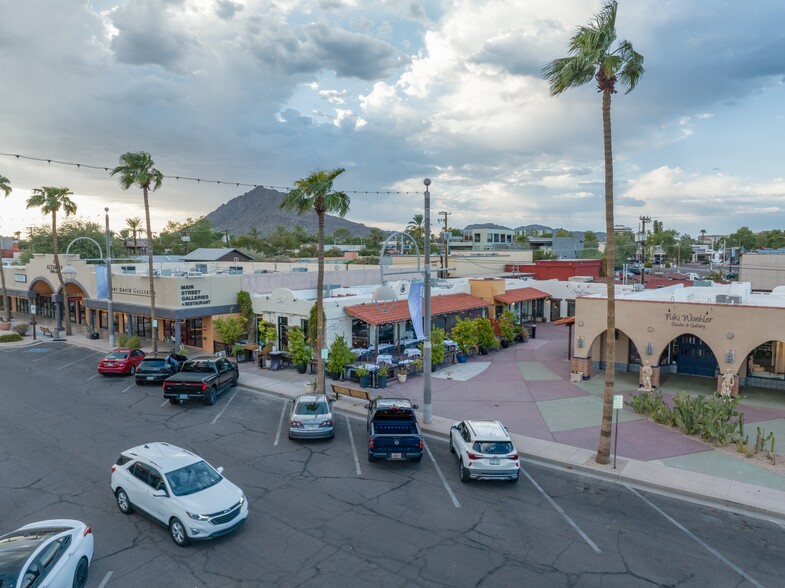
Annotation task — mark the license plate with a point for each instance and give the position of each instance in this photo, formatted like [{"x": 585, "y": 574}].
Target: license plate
[
  {"x": 151, "y": 377},
  {"x": 396, "y": 455},
  {"x": 182, "y": 397},
  {"x": 495, "y": 461},
  {"x": 311, "y": 426}
]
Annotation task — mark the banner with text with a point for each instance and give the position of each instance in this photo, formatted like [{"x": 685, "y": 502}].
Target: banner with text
[
  {"x": 415, "y": 307},
  {"x": 101, "y": 283}
]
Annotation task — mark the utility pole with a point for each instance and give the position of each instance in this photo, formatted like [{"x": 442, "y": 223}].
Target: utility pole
[
  {"x": 445, "y": 214},
  {"x": 644, "y": 220},
  {"x": 427, "y": 345}
]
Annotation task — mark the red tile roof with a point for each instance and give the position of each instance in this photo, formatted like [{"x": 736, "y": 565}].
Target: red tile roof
[
  {"x": 521, "y": 294},
  {"x": 447, "y": 304}
]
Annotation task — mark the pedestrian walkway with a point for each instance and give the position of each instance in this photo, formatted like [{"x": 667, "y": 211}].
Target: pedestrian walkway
[{"x": 528, "y": 388}]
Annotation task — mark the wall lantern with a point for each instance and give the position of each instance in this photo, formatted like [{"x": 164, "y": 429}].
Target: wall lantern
[
  {"x": 649, "y": 349},
  {"x": 730, "y": 356},
  {"x": 580, "y": 342}
]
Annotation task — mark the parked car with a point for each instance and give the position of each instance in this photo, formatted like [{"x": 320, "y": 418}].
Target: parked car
[
  {"x": 179, "y": 490},
  {"x": 121, "y": 361},
  {"x": 154, "y": 370},
  {"x": 393, "y": 432},
  {"x": 203, "y": 378},
  {"x": 311, "y": 417},
  {"x": 50, "y": 553},
  {"x": 485, "y": 451}
]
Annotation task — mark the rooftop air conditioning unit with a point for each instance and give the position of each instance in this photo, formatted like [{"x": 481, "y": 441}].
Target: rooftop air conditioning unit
[
  {"x": 638, "y": 287},
  {"x": 734, "y": 299},
  {"x": 722, "y": 298},
  {"x": 329, "y": 288},
  {"x": 195, "y": 274}
]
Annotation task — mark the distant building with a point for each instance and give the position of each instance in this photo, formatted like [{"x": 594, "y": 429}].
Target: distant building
[
  {"x": 485, "y": 237},
  {"x": 217, "y": 254},
  {"x": 764, "y": 269}
]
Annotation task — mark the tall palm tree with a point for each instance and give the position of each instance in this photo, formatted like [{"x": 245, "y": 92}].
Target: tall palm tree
[
  {"x": 315, "y": 193},
  {"x": 134, "y": 223},
  {"x": 591, "y": 57},
  {"x": 136, "y": 169},
  {"x": 124, "y": 234},
  {"x": 51, "y": 201},
  {"x": 5, "y": 188}
]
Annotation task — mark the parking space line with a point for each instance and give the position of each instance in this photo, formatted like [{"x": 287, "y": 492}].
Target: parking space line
[
  {"x": 280, "y": 422},
  {"x": 165, "y": 401},
  {"x": 129, "y": 387},
  {"x": 93, "y": 376},
  {"x": 354, "y": 449},
  {"x": 48, "y": 355},
  {"x": 77, "y": 361},
  {"x": 445, "y": 483},
  {"x": 698, "y": 540},
  {"x": 218, "y": 416},
  {"x": 105, "y": 580},
  {"x": 559, "y": 509}
]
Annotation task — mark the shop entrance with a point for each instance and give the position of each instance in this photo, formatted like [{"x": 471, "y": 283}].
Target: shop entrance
[{"x": 695, "y": 357}]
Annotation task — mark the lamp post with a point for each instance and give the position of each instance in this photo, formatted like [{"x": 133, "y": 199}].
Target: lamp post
[
  {"x": 70, "y": 271},
  {"x": 426, "y": 355},
  {"x": 109, "y": 304}
]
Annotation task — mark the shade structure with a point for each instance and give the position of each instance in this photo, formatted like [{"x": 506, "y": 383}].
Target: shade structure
[
  {"x": 448, "y": 304},
  {"x": 520, "y": 295}
]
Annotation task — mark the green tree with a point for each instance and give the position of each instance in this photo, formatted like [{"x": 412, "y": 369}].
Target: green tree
[
  {"x": 51, "y": 201},
  {"x": 137, "y": 169},
  {"x": 315, "y": 194},
  {"x": 230, "y": 329},
  {"x": 5, "y": 188},
  {"x": 592, "y": 57},
  {"x": 341, "y": 236},
  {"x": 562, "y": 233},
  {"x": 416, "y": 228},
  {"x": 744, "y": 237}
]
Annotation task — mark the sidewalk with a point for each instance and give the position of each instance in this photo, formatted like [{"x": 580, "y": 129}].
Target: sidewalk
[{"x": 555, "y": 421}]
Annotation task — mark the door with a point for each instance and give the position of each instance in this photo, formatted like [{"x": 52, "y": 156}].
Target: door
[{"x": 695, "y": 357}]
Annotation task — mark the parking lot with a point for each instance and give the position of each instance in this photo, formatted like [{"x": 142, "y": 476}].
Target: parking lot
[{"x": 322, "y": 515}]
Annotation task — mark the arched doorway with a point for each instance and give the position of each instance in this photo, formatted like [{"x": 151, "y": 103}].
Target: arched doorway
[
  {"x": 767, "y": 361},
  {"x": 693, "y": 356}
]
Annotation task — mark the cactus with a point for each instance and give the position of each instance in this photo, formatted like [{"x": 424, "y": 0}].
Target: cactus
[{"x": 741, "y": 425}]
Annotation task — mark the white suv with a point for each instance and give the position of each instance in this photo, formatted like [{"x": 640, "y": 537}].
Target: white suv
[
  {"x": 178, "y": 489},
  {"x": 485, "y": 451}
]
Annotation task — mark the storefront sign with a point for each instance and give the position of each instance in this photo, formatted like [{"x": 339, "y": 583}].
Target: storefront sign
[
  {"x": 689, "y": 320},
  {"x": 20, "y": 278},
  {"x": 130, "y": 291},
  {"x": 52, "y": 268},
  {"x": 190, "y": 295}
]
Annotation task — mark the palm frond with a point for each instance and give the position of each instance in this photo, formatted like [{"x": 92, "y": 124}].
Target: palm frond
[{"x": 632, "y": 66}]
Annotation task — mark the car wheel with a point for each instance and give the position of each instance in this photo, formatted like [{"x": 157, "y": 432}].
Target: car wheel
[
  {"x": 132, "y": 371},
  {"x": 515, "y": 479},
  {"x": 175, "y": 401},
  {"x": 463, "y": 472},
  {"x": 234, "y": 380},
  {"x": 177, "y": 531},
  {"x": 139, "y": 382},
  {"x": 371, "y": 458},
  {"x": 122, "y": 502},
  {"x": 212, "y": 396},
  {"x": 417, "y": 459},
  {"x": 80, "y": 575}
]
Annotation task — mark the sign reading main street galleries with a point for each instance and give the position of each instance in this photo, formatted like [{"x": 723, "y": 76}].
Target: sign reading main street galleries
[{"x": 190, "y": 295}]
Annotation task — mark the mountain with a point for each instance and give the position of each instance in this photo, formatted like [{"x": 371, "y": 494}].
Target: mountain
[{"x": 261, "y": 208}]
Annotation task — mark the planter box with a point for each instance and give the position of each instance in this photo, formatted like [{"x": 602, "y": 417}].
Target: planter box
[{"x": 576, "y": 377}]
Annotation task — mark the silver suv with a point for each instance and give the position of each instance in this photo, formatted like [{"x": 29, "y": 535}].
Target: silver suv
[{"x": 484, "y": 450}]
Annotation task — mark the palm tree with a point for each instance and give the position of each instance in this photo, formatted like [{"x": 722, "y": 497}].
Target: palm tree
[
  {"x": 703, "y": 234},
  {"x": 136, "y": 169},
  {"x": 134, "y": 224},
  {"x": 315, "y": 193},
  {"x": 5, "y": 188},
  {"x": 124, "y": 235},
  {"x": 592, "y": 58},
  {"x": 51, "y": 201}
]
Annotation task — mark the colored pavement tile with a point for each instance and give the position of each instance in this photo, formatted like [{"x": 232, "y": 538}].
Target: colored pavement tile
[
  {"x": 522, "y": 418},
  {"x": 718, "y": 463},
  {"x": 482, "y": 392},
  {"x": 577, "y": 413},
  {"x": 507, "y": 371},
  {"x": 536, "y": 371},
  {"x": 553, "y": 389}
]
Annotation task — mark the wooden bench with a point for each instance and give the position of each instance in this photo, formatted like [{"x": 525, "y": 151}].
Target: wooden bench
[
  {"x": 46, "y": 331},
  {"x": 339, "y": 391}
]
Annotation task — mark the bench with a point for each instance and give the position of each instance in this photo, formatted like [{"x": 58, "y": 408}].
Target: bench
[
  {"x": 46, "y": 331},
  {"x": 339, "y": 391}
]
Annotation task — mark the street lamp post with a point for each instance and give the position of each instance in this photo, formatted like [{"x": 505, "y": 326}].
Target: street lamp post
[
  {"x": 70, "y": 271},
  {"x": 109, "y": 303},
  {"x": 426, "y": 355}
]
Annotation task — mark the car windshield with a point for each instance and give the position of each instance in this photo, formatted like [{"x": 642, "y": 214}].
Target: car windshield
[
  {"x": 117, "y": 355},
  {"x": 492, "y": 447},
  {"x": 17, "y": 547},
  {"x": 193, "y": 478},
  {"x": 153, "y": 363},
  {"x": 304, "y": 408},
  {"x": 199, "y": 366}
]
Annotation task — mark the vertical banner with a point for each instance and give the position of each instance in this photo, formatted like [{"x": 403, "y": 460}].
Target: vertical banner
[
  {"x": 102, "y": 289},
  {"x": 415, "y": 307}
]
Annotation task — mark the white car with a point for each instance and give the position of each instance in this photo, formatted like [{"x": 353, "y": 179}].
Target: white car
[
  {"x": 48, "y": 553},
  {"x": 485, "y": 451},
  {"x": 178, "y": 489}
]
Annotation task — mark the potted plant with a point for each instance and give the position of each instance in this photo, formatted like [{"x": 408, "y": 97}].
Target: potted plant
[
  {"x": 238, "y": 351},
  {"x": 507, "y": 327},
  {"x": 365, "y": 376},
  {"x": 268, "y": 335},
  {"x": 403, "y": 372},
  {"x": 382, "y": 374},
  {"x": 464, "y": 333},
  {"x": 437, "y": 347},
  {"x": 339, "y": 356},
  {"x": 486, "y": 340},
  {"x": 301, "y": 353}
]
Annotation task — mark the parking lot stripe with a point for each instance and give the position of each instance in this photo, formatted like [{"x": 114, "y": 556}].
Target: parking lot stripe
[
  {"x": 48, "y": 355},
  {"x": 93, "y": 376},
  {"x": 280, "y": 422},
  {"x": 441, "y": 475},
  {"x": 129, "y": 387},
  {"x": 164, "y": 402},
  {"x": 354, "y": 449},
  {"x": 218, "y": 416},
  {"x": 105, "y": 580},
  {"x": 559, "y": 509},
  {"x": 698, "y": 540},
  {"x": 77, "y": 361}
]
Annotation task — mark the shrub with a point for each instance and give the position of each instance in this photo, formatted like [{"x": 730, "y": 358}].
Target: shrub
[
  {"x": 301, "y": 353},
  {"x": 122, "y": 340},
  {"x": 507, "y": 326},
  {"x": 464, "y": 333},
  {"x": 437, "y": 343},
  {"x": 133, "y": 342},
  {"x": 20, "y": 329},
  {"x": 485, "y": 336},
  {"x": 10, "y": 338},
  {"x": 339, "y": 355}
]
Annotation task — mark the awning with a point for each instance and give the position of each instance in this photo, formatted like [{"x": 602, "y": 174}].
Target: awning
[
  {"x": 567, "y": 320},
  {"x": 448, "y": 304},
  {"x": 521, "y": 294}
]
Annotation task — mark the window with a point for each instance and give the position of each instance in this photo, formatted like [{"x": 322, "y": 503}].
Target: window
[
  {"x": 141, "y": 472},
  {"x": 123, "y": 459},
  {"x": 156, "y": 481},
  {"x": 492, "y": 447},
  {"x": 193, "y": 478}
]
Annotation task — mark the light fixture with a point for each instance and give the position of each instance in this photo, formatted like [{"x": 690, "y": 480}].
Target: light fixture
[
  {"x": 580, "y": 342},
  {"x": 649, "y": 349},
  {"x": 730, "y": 356}
]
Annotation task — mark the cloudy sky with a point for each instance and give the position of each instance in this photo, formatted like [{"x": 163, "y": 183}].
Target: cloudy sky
[{"x": 265, "y": 91}]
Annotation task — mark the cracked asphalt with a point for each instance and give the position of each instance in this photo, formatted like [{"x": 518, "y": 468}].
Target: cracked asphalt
[{"x": 315, "y": 522}]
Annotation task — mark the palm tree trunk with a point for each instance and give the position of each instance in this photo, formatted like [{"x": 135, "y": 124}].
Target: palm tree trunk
[
  {"x": 64, "y": 305},
  {"x": 6, "y": 301},
  {"x": 604, "y": 449},
  {"x": 320, "y": 299},
  {"x": 153, "y": 320}
]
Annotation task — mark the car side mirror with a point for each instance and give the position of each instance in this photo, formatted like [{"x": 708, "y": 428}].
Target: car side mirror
[
  {"x": 160, "y": 493},
  {"x": 415, "y": 406},
  {"x": 220, "y": 470}
]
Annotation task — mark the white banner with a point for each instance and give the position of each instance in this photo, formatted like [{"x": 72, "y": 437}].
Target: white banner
[{"x": 415, "y": 307}]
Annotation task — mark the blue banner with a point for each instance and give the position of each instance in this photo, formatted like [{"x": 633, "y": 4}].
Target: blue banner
[
  {"x": 101, "y": 282},
  {"x": 415, "y": 307}
]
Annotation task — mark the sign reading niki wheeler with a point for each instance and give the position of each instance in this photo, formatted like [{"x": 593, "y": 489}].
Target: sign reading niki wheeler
[{"x": 687, "y": 319}]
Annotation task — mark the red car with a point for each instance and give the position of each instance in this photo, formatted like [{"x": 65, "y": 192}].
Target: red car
[{"x": 121, "y": 361}]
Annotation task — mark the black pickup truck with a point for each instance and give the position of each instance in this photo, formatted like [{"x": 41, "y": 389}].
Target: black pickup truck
[
  {"x": 203, "y": 378},
  {"x": 393, "y": 432}
]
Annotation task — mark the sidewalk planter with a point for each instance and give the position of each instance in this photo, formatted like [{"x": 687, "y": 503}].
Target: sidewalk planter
[
  {"x": 301, "y": 367},
  {"x": 334, "y": 375},
  {"x": 5, "y": 326},
  {"x": 462, "y": 358},
  {"x": 576, "y": 377},
  {"x": 402, "y": 378},
  {"x": 365, "y": 381},
  {"x": 381, "y": 381}
]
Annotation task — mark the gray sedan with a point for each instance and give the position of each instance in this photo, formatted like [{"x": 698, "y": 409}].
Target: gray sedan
[{"x": 311, "y": 418}]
